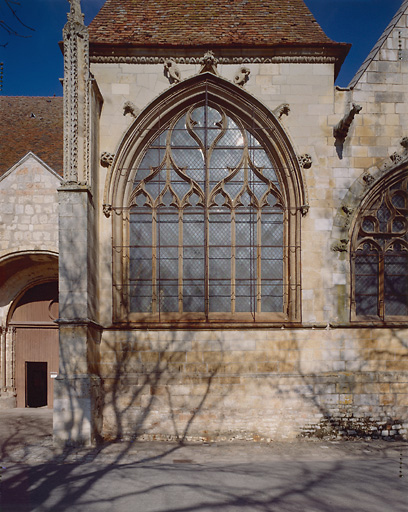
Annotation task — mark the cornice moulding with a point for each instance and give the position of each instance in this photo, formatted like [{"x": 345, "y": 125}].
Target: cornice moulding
[{"x": 279, "y": 59}]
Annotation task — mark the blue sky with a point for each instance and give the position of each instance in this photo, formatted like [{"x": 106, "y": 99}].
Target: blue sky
[{"x": 33, "y": 66}]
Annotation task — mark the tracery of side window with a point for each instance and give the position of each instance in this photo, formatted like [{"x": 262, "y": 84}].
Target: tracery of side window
[
  {"x": 379, "y": 256},
  {"x": 210, "y": 224}
]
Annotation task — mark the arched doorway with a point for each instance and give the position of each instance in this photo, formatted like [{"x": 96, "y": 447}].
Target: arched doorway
[{"x": 36, "y": 345}]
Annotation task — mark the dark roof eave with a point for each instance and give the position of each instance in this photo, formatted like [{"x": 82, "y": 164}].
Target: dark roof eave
[{"x": 94, "y": 45}]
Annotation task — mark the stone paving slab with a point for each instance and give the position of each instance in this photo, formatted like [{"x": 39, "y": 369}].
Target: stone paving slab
[
  {"x": 26, "y": 437},
  {"x": 301, "y": 476}
]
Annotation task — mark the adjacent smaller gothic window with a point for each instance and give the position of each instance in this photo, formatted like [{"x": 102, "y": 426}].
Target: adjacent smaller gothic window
[{"x": 380, "y": 256}]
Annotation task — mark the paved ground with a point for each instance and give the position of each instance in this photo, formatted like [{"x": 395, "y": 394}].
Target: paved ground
[{"x": 305, "y": 476}]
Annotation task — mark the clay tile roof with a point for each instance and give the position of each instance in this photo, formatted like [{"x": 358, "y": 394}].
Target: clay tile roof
[
  {"x": 31, "y": 124},
  {"x": 192, "y": 23}
]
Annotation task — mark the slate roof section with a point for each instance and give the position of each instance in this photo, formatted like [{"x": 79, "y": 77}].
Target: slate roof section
[
  {"x": 31, "y": 124},
  {"x": 377, "y": 47},
  {"x": 207, "y": 23}
]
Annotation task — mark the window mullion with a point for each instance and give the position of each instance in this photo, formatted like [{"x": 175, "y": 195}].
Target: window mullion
[
  {"x": 381, "y": 286},
  {"x": 180, "y": 260},
  {"x": 258, "y": 260},
  {"x": 154, "y": 260},
  {"x": 233, "y": 260},
  {"x": 206, "y": 213}
]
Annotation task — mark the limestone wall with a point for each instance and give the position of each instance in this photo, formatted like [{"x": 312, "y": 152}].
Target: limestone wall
[
  {"x": 278, "y": 383},
  {"x": 307, "y": 88},
  {"x": 260, "y": 385},
  {"x": 29, "y": 208}
]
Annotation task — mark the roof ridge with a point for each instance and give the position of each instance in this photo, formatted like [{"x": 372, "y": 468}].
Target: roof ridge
[{"x": 376, "y": 48}]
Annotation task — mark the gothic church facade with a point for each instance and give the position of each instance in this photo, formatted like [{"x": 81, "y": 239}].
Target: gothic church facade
[{"x": 233, "y": 228}]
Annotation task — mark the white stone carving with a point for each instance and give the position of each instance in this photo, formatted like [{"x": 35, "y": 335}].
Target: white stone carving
[
  {"x": 209, "y": 63},
  {"x": 107, "y": 208},
  {"x": 242, "y": 76},
  {"x": 340, "y": 131},
  {"x": 107, "y": 159},
  {"x": 130, "y": 108},
  {"x": 305, "y": 161},
  {"x": 76, "y": 81},
  {"x": 283, "y": 109},
  {"x": 171, "y": 71}
]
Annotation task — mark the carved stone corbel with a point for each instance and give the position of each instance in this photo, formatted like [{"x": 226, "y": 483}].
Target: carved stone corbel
[
  {"x": 171, "y": 71},
  {"x": 304, "y": 209},
  {"x": 305, "y": 161},
  {"x": 340, "y": 245},
  {"x": 396, "y": 158},
  {"x": 368, "y": 178},
  {"x": 107, "y": 159},
  {"x": 107, "y": 208},
  {"x": 283, "y": 109},
  {"x": 347, "y": 210},
  {"x": 404, "y": 143},
  {"x": 130, "y": 108},
  {"x": 340, "y": 131},
  {"x": 209, "y": 63},
  {"x": 242, "y": 76}
]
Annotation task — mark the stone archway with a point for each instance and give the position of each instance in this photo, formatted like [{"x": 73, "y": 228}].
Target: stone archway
[{"x": 21, "y": 272}]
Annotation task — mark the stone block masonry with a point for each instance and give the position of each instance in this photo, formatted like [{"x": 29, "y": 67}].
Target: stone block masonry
[{"x": 259, "y": 385}]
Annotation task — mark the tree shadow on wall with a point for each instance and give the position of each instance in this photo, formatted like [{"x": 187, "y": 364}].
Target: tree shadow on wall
[{"x": 157, "y": 477}]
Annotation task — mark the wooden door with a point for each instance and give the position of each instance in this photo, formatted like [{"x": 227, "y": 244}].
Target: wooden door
[
  {"x": 36, "y": 341},
  {"x": 35, "y": 345}
]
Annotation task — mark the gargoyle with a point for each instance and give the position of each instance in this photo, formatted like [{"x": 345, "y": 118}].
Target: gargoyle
[{"x": 340, "y": 131}]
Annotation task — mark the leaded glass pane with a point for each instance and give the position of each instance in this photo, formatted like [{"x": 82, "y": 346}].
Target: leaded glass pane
[
  {"x": 168, "y": 295},
  {"x": 179, "y": 185},
  {"x": 220, "y": 260},
  {"x": 368, "y": 225},
  {"x": 193, "y": 301},
  {"x": 253, "y": 142},
  {"x": 245, "y": 292},
  {"x": 396, "y": 282},
  {"x": 141, "y": 299},
  {"x": 189, "y": 257},
  {"x": 224, "y": 158},
  {"x": 167, "y": 229},
  {"x": 398, "y": 226},
  {"x": 220, "y": 296},
  {"x": 398, "y": 201},
  {"x": 366, "y": 283},
  {"x": 160, "y": 141},
  {"x": 156, "y": 186},
  {"x": 258, "y": 187},
  {"x": 140, "y": 261},
  {"x": 383, "y": 215},
  {"x": 233, "y": 187},
  {"x": 272, "y": 296},
  {"x": 180, "y": 136},
  {"x": 193, "y": 261},
  {"x": 152, "y": 158}
]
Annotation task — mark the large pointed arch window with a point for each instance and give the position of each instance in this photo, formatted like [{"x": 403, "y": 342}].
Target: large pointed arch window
[
  {"x": 380, "y": 256},
  {"x": 206, "y": 193},
  {"x": 206, "y": 221}
]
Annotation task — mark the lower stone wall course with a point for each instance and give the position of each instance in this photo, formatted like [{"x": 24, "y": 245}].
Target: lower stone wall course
[{"x": 272, "y": 384}]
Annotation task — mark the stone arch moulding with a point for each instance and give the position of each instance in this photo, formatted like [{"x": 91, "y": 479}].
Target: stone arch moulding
[
  {"x": 368, "y": 184},
  {"x": 21, "y": 270},
  {"x": 212, "y": 90},
  {"x": 371, "y": 187},
  {"x": 163, "y": 108}
]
